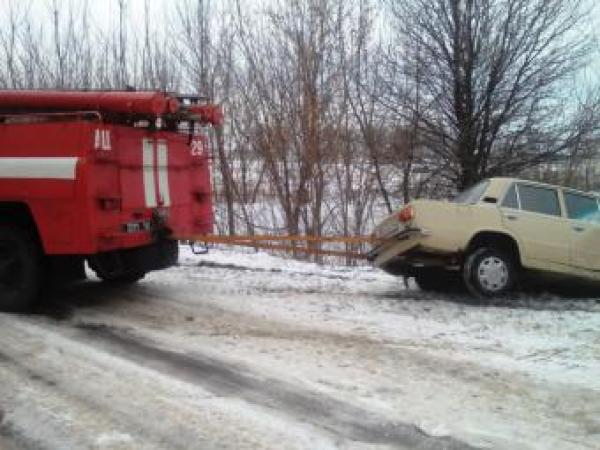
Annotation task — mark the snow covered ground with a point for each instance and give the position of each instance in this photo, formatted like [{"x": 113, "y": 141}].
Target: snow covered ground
[{"x": 238, "y": 349}]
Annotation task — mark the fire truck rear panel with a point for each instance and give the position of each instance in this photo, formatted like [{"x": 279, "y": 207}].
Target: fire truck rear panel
[{"x": 94, "y": 187}]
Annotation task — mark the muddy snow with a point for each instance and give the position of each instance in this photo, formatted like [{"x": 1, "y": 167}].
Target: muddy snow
[{"x": 248, "y": 351}]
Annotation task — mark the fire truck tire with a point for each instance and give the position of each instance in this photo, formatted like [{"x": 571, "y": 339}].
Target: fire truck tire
[
  {"x": 126, "y": 278},
  {"x": 20, "y": 269}
]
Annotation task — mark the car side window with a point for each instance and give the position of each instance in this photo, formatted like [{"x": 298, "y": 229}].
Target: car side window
[
  {"x": 582, "y": 207},
  {"x": 510, "y": 199},
  {"x": 539, "y": 199}
]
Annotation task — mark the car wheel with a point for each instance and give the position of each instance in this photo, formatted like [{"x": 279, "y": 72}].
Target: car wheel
[
  {"x": 20, "y": 270},
  {"x": 489, "y": 272}
]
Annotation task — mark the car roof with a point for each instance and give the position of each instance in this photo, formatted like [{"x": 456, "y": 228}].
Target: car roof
[{"x": 506, "y": 180}]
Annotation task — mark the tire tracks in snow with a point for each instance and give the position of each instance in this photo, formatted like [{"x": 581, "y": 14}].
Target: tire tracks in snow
[
  {"x": 10, "y": 437},
  {"x": 225, "y": 379},
  {"x": 343, "y": 421},
  {"x": 95, "y": 411},
  {"x": 65, "y": 392}
]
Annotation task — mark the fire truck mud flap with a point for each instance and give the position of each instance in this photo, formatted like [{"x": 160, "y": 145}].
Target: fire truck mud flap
[{"x": 133, "y": 264}]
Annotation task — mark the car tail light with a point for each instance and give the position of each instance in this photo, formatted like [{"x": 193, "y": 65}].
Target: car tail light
[{"x": 406, "y": 214}]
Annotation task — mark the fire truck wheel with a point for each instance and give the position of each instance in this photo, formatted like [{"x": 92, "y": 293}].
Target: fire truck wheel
[
  {"x": 127, "y": 278},
  {"x": 20, "y": 269},
  {"x": 122, "y": 278}
]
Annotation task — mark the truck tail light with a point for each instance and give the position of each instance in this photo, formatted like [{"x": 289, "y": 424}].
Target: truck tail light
[{"x": 406, "y": 214}]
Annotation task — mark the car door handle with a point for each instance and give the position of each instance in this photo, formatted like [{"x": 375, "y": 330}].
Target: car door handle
[
  {"x": 511, "y": 216},
  {"x": 578, "y": 228}
]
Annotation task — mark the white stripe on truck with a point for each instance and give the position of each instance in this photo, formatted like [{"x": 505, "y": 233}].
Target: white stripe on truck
[
  {"x": 163, "y": 173},
  {"x": 51, "y": 168},
  {"x": 148, "y": 173}
]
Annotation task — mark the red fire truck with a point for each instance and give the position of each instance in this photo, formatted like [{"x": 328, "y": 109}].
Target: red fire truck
[{"x": 107, "y": 177}]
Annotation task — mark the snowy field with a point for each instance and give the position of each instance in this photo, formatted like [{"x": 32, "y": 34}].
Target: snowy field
[{"x": 248, "y": 351}]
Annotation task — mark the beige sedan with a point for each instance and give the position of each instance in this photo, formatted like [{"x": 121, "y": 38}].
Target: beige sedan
[{"x": 491, "y": 235}]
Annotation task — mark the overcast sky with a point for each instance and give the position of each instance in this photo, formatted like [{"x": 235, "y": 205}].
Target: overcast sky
[{"x": 104, "y": 14}]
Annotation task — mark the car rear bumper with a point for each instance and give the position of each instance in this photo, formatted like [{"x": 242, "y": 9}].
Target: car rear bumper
[{"x": 396, "y": 244}]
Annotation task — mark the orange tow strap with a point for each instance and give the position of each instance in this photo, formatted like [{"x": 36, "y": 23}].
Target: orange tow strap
[{"x": 265, "y": 242}]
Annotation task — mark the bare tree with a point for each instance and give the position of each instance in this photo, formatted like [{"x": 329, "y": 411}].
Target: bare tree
[
  {"x": 492, "y": 79},
  {"x": 121, "y": 48},
  {"x": 290, "y": 83},
  {"x": 361, "y": 83},
  {"x": 9, "y": 45}
]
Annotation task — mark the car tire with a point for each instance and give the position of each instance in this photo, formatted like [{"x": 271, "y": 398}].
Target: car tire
[
  {"x": 20, "y": 270},
  {"x": 438, "y": 280},
  {"x": 489, "y": 272}
]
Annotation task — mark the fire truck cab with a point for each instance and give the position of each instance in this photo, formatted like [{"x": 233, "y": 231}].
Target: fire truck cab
[{"x": 107, "y": 177}]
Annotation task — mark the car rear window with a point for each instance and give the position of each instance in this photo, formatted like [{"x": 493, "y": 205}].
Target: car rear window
[
  {"x": 582, "y": 207},
  {"x": 473, "y": 194},
  {"x": 539, "y": 199}
]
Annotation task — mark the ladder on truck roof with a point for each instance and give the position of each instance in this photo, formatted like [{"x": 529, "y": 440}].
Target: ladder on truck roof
[{"x": 113, "y": 106}]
